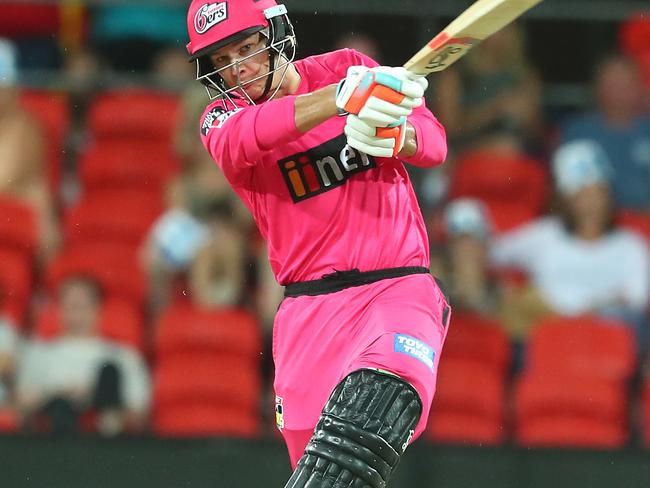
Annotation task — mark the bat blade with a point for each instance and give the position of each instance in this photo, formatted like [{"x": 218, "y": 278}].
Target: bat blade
[{"x": 480, "y": 20}]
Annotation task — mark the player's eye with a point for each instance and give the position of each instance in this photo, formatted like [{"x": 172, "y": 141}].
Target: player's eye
[
  {"x": 220, "y": 61},
  {"x": 244, "y": 49}
]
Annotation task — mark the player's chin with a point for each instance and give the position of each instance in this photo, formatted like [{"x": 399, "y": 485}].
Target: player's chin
[{"x": 255, "y": 90}]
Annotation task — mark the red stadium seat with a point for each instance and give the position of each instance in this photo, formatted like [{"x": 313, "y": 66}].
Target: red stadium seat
[
  {"x": 513, "y": 187},
  {"x": 634, "y": 35},
  {"x": 204, "y": 420},
  {"x": 207, "y": 379},
  {"x": 469, "y": 404},
  {"x": 20, "y": 20},
  {"x": 18, "y": 229},
  {"x": 556, "y": 392},
  {"x": 187, "y": 328},
  {"x": 574, "y": 390},
  {"x": 15, "y": 284},
  {"x": 635, "y": 221},
  {"x": 51, "y": 110},
  {"x": 112, "y": 217},
  {"x": 634, "y": 40},
  {"x": 9, "y": 421},
  {"x": 115, "y": 267},
  {"x": 119, "y": 321},
  {"x": 477, "y": 339},
  {"x": 128, "y": 164},
  {"x": 584, "y": 346},
  {"x": 134, "y": 114},
  {"x": 555, "y": 409}
]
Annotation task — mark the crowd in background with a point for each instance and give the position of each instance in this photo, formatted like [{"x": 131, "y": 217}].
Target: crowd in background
[{"x": 529, "y": 218}]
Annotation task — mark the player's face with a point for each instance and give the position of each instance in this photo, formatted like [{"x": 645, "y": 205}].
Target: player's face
[{"x": 240, "y": 64}]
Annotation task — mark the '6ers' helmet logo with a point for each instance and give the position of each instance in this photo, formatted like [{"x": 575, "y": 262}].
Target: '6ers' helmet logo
[{"x": 210, "y": 15}]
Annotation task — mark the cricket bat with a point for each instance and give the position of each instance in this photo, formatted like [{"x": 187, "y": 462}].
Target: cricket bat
[{"x": 480, "y": 20}]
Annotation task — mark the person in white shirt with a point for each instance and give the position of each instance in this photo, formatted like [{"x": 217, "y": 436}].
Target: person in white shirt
[
  {"x": 8, "y": 345},
  {"x": 579, "y": 261},
  {"x": 80, "y": 370}
]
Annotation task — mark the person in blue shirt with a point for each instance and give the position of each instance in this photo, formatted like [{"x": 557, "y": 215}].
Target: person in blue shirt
[{"x": 621, "y": 128}]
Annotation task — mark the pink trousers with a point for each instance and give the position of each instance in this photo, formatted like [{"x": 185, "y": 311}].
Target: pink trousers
[{"x": 397, "y": 325}]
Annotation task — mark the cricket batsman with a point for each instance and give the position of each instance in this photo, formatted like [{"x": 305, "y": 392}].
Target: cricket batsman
[{"x": 316, "y": 150}]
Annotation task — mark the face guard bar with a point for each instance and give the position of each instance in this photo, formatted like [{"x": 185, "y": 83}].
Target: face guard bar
[{"x": 281, "y": 48}]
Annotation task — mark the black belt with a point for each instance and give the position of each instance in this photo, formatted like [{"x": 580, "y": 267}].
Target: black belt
[{"x": 341, "y": 280}]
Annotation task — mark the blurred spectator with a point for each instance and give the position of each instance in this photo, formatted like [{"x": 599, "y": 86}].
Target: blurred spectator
[
  {"x": 22, "y": 172},
  {"x": 579, "y": 261},
  {"x": 8, "y": 349},
  {"x": 492, "y": 97},
  {"x": 466, "y": 276},
  {"x": 360, "y": 42},
  {"x": 473, "y": 288},
  {"x": 200, "y": 248},
  {"x": 133, "y": 36},
  {"x": 620, "y": 127},
  {"x": 84, "y": 70},
  {"x": 80, "y": 371},
  {"x": 171, "y": 70},
  {"x": 216, "y": 275},
  {"x": 187, "y": 142},
  {"x": 269, "y": 292},
  {"x": 200, "y": 238}
]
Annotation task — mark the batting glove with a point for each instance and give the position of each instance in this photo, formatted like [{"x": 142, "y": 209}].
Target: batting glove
[
  {"x": 380, "y": 96},
  {"x": 384, "y": 142}
]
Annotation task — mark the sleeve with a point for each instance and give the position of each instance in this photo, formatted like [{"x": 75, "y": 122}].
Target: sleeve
[
  {"x": 636, "y": 261},
  {"x": 237, "y": 139},
  {"x": 431, "y": 139},
  {"x": 579, "y": 127}
]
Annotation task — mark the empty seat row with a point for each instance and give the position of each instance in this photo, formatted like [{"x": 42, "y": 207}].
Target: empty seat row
[{"x": 574, "y": 390}]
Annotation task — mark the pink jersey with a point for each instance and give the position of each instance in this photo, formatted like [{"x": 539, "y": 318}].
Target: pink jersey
[{"x": 321, "y": 205}]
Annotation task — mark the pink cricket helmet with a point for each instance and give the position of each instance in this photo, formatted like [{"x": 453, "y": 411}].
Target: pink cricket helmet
[{"x": 214, "y": 24}]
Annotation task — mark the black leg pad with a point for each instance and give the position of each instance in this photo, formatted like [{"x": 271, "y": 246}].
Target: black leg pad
[{"x": 361, "y": 434}]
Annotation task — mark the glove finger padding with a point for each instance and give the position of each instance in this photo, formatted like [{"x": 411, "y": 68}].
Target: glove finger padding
[
  {"x": 361, "y": 126},
  {"x": 383, "y": 142},
  {"x": 421, "y": 80},
  {"x": 371, "y": 150},
  {"x": 412, "y": 85},
  {"x": 391, "y": 86},
  {"x": 352, "y": 133},
  {"x": 381, "y": 113}
]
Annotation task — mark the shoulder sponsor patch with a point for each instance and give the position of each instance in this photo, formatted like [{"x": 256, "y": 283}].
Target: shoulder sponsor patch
[
  {"x": 406, "y": 344},
  {"x": 215, "y": 118}
]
